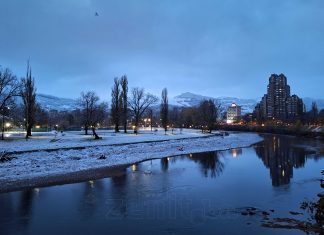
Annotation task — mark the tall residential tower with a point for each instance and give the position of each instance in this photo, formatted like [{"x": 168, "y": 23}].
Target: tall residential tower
[{"x": 277, "y": 103}]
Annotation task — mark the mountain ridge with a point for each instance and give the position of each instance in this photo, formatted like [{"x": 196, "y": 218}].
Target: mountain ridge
[{"x": 186, "y": 99}]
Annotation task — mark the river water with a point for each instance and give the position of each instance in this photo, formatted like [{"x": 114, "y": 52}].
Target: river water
[{"x": 202, "y": 193}]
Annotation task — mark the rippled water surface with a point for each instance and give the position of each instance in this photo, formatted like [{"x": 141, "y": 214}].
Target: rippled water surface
[{"x": 193, "y": 194}]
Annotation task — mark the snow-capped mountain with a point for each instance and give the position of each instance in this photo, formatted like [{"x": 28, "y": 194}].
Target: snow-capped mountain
[
  {"x": 49, "y": 102},
  {"x": 189, "y": 99}
]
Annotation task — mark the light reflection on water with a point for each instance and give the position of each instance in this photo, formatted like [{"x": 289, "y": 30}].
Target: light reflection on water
[{"x": 196, "y": 193}]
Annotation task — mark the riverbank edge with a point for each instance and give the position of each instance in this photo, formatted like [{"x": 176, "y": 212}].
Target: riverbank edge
[
  {"x": 88, "y": 174},
  {"x": 273, "y": 130}
]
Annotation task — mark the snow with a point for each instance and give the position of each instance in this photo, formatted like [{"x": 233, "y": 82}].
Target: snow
[
  {"x": 38, "y": 164},
  {"x": 47, "y": 140},
  {"x": 189, "y": 99}
]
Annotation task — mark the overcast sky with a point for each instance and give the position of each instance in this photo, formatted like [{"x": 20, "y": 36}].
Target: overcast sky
[{"x": 213, "y": 48}]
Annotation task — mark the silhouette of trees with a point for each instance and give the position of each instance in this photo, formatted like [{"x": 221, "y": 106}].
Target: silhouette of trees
[
  {"x": 208, "y": 113},
  {"x": 119, "y": 103},
  {"x": 124, "y": 99},
  {"x": 164, "y": 112},
  {"x": 28, "y": 94},
  {"x": 139, "y": 102},
  {"x": 116, "y": 103},
  {"x": 92, "y": 111}
]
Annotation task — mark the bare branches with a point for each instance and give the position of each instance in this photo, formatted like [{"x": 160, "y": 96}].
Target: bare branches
[
  {"x": 9, "y": 88},
  {"x": 116, "y": 103},
  {"x": 164, "y": 112},
  {"x": 93, "y": 112},
  {"x": 124, "y": 94},
  {"x": 28, "y": 94},
  {"x": 139, "y": 102}
]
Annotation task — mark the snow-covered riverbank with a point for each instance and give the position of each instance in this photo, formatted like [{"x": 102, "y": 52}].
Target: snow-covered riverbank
[{"x": 33, "y": 169}]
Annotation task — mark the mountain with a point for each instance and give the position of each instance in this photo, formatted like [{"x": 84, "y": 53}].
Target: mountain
[
  {"x": 189, "y": 99},
  {"x": 49, "y": 102}
]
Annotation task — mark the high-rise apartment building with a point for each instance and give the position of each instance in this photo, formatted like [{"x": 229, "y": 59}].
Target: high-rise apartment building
[{"x": 277, "y": 103}]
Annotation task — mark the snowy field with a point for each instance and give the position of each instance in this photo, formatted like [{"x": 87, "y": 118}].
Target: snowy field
[
  {"x": 102, "y": 154},
  {"x": 15, "y": 142}
]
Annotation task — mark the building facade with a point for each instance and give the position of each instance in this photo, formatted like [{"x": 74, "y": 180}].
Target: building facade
[
  {"x": 278, "y": 103},
  {"x": 295, "y": 107},
  {"x": 233, "y": 113}
]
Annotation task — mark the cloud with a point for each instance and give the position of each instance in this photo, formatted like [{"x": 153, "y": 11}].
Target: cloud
[{"x": 210, "y": 47}]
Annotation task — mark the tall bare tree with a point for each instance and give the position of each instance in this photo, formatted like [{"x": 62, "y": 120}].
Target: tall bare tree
[
  {"x": 9, "y": 88},
  {"x": 314, "y": 113},
  {"x": 164, "y": 111},
  {"x": 124, "y": 94},
  {"x": 28, "y": 94},
  {"x": 116, "y": 104},
  {"x": 208, "y": 113},
  {"x": 91, "y": 111},
  {"x": 139, "y": 102}
]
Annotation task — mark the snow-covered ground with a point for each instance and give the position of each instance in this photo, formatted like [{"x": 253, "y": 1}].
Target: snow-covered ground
[
  {"x": 38, "y": 164},
  {"x": 47, "y": 140}
]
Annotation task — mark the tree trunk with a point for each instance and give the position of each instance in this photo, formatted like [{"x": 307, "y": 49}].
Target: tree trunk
[
  {"x": 136, "y": 126},
  {"x": 28, "y": 131},
  {"x": 125, "y": 127},
  {"x": 95, "y": 134},
  {"x": 116, "y": 128},
  {"x": 3, "y": 128},
  {"x": 86, "y": 130}
]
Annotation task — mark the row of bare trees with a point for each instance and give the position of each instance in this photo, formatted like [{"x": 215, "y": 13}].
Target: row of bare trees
[
  {"x": 119, "y": 103},
  {"x": 10, "y": 88},
  {"x": 139, "y": 104},
  {"x": 126, "y": 107}
]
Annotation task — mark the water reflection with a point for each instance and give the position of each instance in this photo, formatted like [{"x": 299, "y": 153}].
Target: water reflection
[
  {"x": 210, "y": 163},
  {"x": 90, "y": 198},
  {"x": 281, "y": 154},
  {"x": 16, "y": 209},
  {"x": 236, "y": 152},
  {"x": 169, "y": 194},
  {"x": 164, "y": 164}
]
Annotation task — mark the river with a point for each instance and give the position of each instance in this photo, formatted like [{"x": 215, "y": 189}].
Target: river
[{"x": 205, "y": 193}]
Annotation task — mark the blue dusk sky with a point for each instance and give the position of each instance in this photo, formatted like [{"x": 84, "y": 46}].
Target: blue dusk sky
[{"x": 209, "y": 47}]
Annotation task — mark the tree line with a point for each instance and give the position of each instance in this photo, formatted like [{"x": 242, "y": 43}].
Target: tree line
[
  {"x": 12, "y": 87},
  {"x": 127, "y": 109}
]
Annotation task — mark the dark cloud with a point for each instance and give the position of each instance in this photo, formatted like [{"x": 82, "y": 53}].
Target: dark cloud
[{"x": 215, "y": 48}]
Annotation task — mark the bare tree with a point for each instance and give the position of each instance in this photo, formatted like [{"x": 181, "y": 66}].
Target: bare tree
[
  {"x": 91, "y": 111},
  {"x": 164, "y": 110},
  {"x": 124, "y": 93},
  {"x": 208, "y": 113},
  {"x": 116, "y": 104},
  {"x": 9, "y": 88},
  {"x": 28, "y": 94},
  {"x": 174, "y": 118},
  {"x": 139, "y": 102},
  {"x": 314, "y": 113}
]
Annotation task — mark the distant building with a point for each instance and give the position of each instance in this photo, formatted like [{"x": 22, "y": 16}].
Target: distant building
[
  {"x": 233, "y": 113},
  {"x": 277, "y": 103},
  {"x": 295, "y": 107},
  {"x": 278, "y": 92}
]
